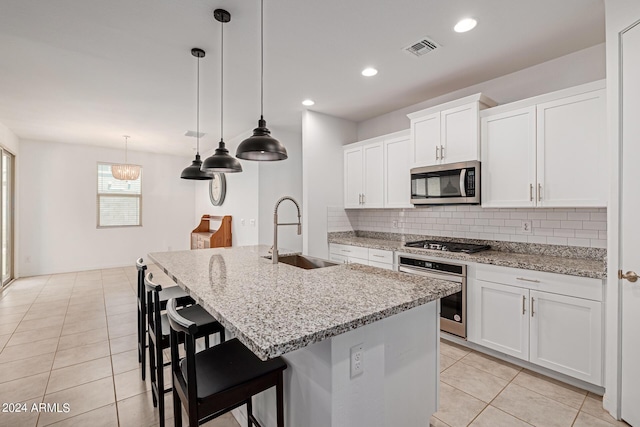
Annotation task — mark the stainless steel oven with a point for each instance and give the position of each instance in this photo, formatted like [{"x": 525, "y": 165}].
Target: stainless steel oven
[
  {"x": 450, "y": 184},
  {"x": 453, "y": 309}
]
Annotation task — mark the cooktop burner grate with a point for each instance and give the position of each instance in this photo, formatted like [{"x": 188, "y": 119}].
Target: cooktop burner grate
[{"x": 437, "y": 245}]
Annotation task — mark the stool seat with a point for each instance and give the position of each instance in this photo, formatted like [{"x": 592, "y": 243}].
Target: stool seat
[
  {"x": 228, "y": 365},
  {"x": 207, "y": 324}
]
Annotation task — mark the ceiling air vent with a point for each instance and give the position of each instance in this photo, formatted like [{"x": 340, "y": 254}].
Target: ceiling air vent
[
  {"x": 194, "y": 134},
  {"x": 422, "y": 46}
]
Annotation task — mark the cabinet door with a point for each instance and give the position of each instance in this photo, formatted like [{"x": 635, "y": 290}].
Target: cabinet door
[
  {"x": 353, "y": 177},
  {"x": 425, "y": 139},
  {"x": 566, "y": 335},
  {"x": 572, "y": 156},
  {"x": 397, "y": 175},
  {"x": 373, "y": 175},
  {"x": 502, "y": 321},
  {"x": 508, "y": 155},
  {"x": 459, "y": 137}
]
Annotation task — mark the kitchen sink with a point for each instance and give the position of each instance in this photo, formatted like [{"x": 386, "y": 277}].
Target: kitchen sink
[{"x": 306, "y": 262}]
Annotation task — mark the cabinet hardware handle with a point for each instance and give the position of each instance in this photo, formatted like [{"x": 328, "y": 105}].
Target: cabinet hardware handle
[
  {"x": 531, "y": 192},
  {"x": 364, "y": 199},
  {"x": 379, "y": 256},
  {"x": 360, "y": 195},
  {"x": 345, "y": 250},
  {"x": 532, "y": 301},
  {"x": 441, "y": 152},
  {"x": 437, "y": 156},
  {"x": 527, "y": 280},
  {"x": 539, "y": 192},
  {"x": 629, "y": 275},
  {"x": 524, "y": 298}
]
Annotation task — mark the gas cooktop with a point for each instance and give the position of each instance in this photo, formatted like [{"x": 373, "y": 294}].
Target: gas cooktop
[{"x": 437, "y": 245}]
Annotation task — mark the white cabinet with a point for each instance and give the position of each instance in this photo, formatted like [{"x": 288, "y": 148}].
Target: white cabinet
[
  {"x": 509, "y": 158},
  {"x": 360, "y": 255},
  {"x": 547, "y": 151},
  {"x": 501, "y": 319},
  {"x": 447, "y": 133},
  {"x": 363, "y": 176},
  {"x": 376, "y": 172},
  {"x": 551, "y": 320},
  {"x": 397, "y": 176}
]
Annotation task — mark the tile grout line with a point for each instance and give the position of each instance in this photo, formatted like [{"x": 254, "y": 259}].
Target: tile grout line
[
  {"x": 113, "y": 375},
  {"x": 56, "y": 352}
]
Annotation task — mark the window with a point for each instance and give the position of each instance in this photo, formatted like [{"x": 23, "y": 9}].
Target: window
[{"x": 119, "y": 202}]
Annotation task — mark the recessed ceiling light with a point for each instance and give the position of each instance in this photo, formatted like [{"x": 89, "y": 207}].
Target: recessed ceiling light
[
  {"x": 368, "y": 72},
  {"x": 465, "y": 25},
  {"x": 308, "y": 102}
]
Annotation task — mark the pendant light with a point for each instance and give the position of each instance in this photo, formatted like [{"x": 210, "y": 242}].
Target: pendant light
[
  {"x": 125, "y": 171},
  {"x": 221, "y": 161},
  {"x": 193, "y": 171},
  {"x": 261, "y": 145}
]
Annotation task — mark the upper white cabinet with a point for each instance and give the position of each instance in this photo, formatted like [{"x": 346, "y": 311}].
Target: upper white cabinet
[
  {"x": 376, "y": 172},
  {"x": 447, "y": 133},
  {"x": 547, "y": 151}
]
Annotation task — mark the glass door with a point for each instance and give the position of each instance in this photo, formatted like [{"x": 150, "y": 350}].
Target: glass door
[{"x": 6, "y": 215}]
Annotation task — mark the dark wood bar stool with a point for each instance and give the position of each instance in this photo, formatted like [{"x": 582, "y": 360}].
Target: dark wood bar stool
[
  {"x": 216, "y": 380},
  {"x": 158, "y": 333},
  {"x": 165, "y": 295}
]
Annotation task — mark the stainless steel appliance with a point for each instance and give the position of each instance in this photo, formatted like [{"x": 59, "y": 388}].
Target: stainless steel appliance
[
  {"x": 449, "y": 184},
  {"x": 453, "y": 309}
]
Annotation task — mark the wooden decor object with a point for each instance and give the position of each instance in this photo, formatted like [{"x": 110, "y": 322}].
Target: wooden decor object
[{"x": 203, "y": 237}]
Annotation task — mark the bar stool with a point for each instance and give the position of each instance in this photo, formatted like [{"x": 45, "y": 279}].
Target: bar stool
[
  {"x": 219, "y": 379},
  {"x": 165, "y": 295},
  {"x": 158, "y": 332}
]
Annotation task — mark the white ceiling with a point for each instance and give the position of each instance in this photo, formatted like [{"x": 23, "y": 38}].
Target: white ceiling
[{"x": 89, "y": 71}]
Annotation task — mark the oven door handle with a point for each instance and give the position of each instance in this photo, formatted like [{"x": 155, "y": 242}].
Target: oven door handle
[{"x": 450, "y": 278}]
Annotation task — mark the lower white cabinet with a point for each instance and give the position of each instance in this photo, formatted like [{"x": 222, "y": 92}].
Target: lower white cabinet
[
  {"x": 522, "y": 319},
  {"x": 359, "y": 255}
]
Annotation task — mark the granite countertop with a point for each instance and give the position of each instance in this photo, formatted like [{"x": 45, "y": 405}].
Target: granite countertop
[
  {"x": 275, "y": 309},
  {"x": 553, "y": 264}
]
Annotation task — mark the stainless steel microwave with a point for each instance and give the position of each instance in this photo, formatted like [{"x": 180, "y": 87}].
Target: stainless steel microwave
[{"x": 449, "y": 184}]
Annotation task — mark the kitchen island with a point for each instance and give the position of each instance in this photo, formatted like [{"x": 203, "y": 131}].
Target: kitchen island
[{"x": 315, "y": 319}]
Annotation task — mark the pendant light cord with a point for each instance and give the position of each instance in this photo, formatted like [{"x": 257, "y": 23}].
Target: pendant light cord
[
  {"x": 222, "y": 81},
  {"x": 126, "y": 140},
  {"x": 198, "y": 110},
  {"x": 261, "y": 59}
]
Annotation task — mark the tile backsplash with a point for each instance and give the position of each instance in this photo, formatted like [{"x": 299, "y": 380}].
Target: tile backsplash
[{"x": 586, "y": 227}]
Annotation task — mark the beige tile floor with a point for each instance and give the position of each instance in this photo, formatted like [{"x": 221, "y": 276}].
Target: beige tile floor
[
  {"x": 71, "y": 338},
  {"x": 478, "y": 390}
]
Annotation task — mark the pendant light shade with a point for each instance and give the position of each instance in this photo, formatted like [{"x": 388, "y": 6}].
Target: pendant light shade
[
  {"x": 125, "y": 171},
  {"x": 194, "y": 171},
  {"x": 261, "y": 146},
  {"x": 221, "y": 161}
]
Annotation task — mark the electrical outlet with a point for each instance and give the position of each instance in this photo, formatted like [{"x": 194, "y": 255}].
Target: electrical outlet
[
  {"x": 395, "y": 224},
  {"x": 357, "y": 366},
  {"x": 242, "y": 222},
  {"x": 526, "y": 227},
  {"x": 252, "y": 222}
]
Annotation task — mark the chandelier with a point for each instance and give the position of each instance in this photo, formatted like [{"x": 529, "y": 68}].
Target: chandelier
[{"x": 125, "y": 171}]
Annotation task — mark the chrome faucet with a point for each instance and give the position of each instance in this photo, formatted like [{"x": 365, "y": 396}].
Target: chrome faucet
[{"x": 274, "y": 255}]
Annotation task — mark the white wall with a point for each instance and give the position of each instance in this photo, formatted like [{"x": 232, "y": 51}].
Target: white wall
[
  {"x": 58, "y": 184},
  {"x": 277, "y": 179},
  {"x": 619, "y": 15},
  {"x": 322, "y": 139},
  {"x": 580, "y": 67},
  {"x": 241, "y": 201}
]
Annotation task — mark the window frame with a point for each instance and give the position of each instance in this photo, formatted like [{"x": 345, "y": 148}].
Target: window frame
[{"x": 98, "y": 195}]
